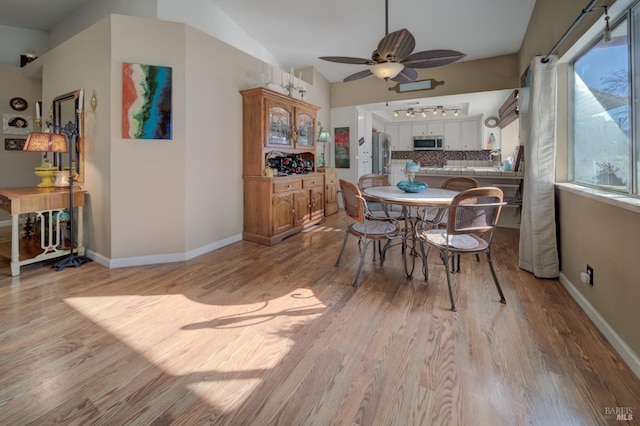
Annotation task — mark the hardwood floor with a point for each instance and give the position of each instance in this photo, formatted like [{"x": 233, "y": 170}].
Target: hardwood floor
[{"x": 257, "y": 335}]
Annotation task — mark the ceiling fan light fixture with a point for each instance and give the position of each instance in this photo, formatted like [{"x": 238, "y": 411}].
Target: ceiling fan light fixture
[{"x": 386, "y": 70}]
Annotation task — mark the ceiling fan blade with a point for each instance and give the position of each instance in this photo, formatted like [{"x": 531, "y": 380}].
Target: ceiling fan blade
[
  {"x": 358, "y": 75},
  {"x": 396, "y": 45},
  {"x": 407, "y": 75},
  {"x": 432, "y": 58},
  {"x": 347, "y": 60}
]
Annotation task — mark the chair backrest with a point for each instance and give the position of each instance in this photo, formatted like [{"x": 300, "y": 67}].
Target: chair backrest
[
  {"x": 352, "y": 200},
  {"x": 371, "y": 180},
  {"x": 475, "y": 211},
  {"x": 460, "y": 183}
]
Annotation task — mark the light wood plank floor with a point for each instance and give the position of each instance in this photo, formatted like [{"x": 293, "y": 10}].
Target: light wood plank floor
[{"x": 256, "y": 335}]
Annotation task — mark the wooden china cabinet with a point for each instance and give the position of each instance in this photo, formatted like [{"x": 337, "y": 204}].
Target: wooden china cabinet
[
  {"x": 278, "y": 127},
  {"x": 330, "y": 191}
]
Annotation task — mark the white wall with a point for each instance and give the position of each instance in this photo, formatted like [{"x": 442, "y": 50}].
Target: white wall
[
  {"x": 96, "y": 10},
  {"x": 206, "y": 17}
]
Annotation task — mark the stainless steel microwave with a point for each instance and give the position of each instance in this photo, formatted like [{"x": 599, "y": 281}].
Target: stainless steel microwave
[{"x": 428, "y": 143}]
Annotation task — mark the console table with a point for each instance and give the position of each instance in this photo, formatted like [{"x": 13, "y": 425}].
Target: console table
[{"x": 46, "y": 204}]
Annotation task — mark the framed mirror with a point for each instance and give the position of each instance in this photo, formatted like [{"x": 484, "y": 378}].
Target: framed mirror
[{"x": 65, "y": 110}]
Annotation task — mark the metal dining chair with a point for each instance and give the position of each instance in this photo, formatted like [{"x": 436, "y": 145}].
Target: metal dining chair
[
  {"x": 471, "y": 223},
  {"x": 438, "y": 218},
  {"x": 360, "y": 226},
  {"x": 378, "y": 210}
]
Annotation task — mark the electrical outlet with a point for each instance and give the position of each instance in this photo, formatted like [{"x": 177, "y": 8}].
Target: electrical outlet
[{"x": 590, "y": 273}]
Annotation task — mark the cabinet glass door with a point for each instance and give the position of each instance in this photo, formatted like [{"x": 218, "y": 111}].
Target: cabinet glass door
[
  {"x": 304, "y": 127},
  {"x": 279, "y": 131}
]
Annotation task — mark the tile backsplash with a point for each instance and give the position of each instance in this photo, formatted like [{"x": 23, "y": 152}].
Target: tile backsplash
[{"x": 440, "y": 158}]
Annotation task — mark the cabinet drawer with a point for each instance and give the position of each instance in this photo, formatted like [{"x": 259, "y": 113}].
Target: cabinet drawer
[
  {"x": 331, "y": 179},
  {"x": 287, "y": 185},
  {"x": 310, "y": 182}
]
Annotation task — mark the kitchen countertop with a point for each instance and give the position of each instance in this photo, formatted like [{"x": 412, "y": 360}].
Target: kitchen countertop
[{"x": 469, "y": 171}]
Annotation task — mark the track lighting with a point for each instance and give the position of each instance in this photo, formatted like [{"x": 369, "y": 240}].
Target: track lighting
[{"x": 410, "y": 112}]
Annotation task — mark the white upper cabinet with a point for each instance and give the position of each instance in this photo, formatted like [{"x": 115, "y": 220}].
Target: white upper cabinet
[
  {"x": 406, "y": 140},
  {"x": 452, "y": 136},
  {"x": 462, "y": 135},
  {"x": 428, "y": 129},
  {"x": 435, "y": 129},
  {"x": 392, "y": 131},
  {"x": 400, "y": 135},
  {"x": 420, "y": 129},
  {"x": 470, "y": 133}
]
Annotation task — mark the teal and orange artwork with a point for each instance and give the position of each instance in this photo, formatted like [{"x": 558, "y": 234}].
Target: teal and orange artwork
[{"x": 146, "y": 101}]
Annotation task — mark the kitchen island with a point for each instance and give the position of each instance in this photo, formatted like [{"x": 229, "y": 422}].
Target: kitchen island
[{"x": 510, "y": 182}]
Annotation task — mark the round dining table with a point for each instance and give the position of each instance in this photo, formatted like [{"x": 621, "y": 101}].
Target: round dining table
[{"x": 429, "y": 197}]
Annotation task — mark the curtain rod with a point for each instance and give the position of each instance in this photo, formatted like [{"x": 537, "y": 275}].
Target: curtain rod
[{"x": 586, "y": 10}]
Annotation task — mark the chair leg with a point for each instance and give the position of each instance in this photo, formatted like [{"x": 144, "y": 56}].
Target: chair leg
[
  {"x": 495, "y": 277},
  {"x": 344, "y": 243},
  {"x": 446, "y": 264},
  {"x": 425, "y": 264},
  {"x": 383, "y": 251},
  {"x": 364, "y": 253}
]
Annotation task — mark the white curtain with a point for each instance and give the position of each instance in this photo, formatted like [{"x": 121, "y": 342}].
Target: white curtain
[{"x": 538, "y": 247}]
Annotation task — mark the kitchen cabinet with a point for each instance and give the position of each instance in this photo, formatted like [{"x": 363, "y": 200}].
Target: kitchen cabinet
[
  {"x": 405, "y": 139},
  {"x": 392, "y": 131},
  {"x": 462, "y": 135},
  {"x": 397, "y": 174},
  {"x": 419, "y": 129},
  {"x": 363, "y": 134},
  {"x": 470, "y": 133},
  {"x": 365, "y": 166},
  {"x": 330, "y": 191},
  {"x": 452, "y": 136},
  {"x": 400, "y": 136},
  {"x": 428, "y": 129},
  {"x": 280, "y": 206}
]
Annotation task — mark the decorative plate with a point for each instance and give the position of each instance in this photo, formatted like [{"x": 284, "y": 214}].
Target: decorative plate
[
  {"x": 491, "y": 122},
  {"x": 414, "y": 187},
  {"x": 18, "y": 104}
]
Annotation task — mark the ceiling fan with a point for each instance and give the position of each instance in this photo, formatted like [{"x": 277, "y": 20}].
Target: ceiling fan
[{"x": 393, "y": 58}]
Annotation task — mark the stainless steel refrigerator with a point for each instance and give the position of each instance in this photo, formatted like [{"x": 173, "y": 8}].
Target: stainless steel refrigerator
[{"x": 381, "y": 154}]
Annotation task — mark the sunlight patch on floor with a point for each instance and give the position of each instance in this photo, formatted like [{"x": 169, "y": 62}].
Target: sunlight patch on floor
[{"x": 206, "y": 345}]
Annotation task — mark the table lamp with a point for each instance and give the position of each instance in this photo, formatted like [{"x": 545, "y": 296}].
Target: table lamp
[
  {"x": 45, "y": 142},
  {"x": 323, "y": 137}
]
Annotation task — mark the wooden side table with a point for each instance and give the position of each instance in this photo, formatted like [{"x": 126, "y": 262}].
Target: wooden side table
[{"x": 47, "y": 204}]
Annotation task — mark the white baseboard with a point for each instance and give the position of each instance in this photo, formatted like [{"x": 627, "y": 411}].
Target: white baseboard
[
  {"x": 5, "y": 223},
  {"x": 162, "y": 258},
  {"x": 630, "y": 357}
]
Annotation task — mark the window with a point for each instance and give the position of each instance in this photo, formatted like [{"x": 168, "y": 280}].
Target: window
[{"x": 604, "y": 146}]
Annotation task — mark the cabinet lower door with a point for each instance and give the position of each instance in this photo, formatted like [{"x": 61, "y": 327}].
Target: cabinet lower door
[
  {"x": 282, "y": 213},
  {"x": 301, "y": 207},
  {"x": 317, "y": 203}
]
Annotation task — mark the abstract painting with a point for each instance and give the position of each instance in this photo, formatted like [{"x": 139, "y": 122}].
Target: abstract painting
[
  {"x": 146, "y": 101},
  {"x": 341, "y": 138}
]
